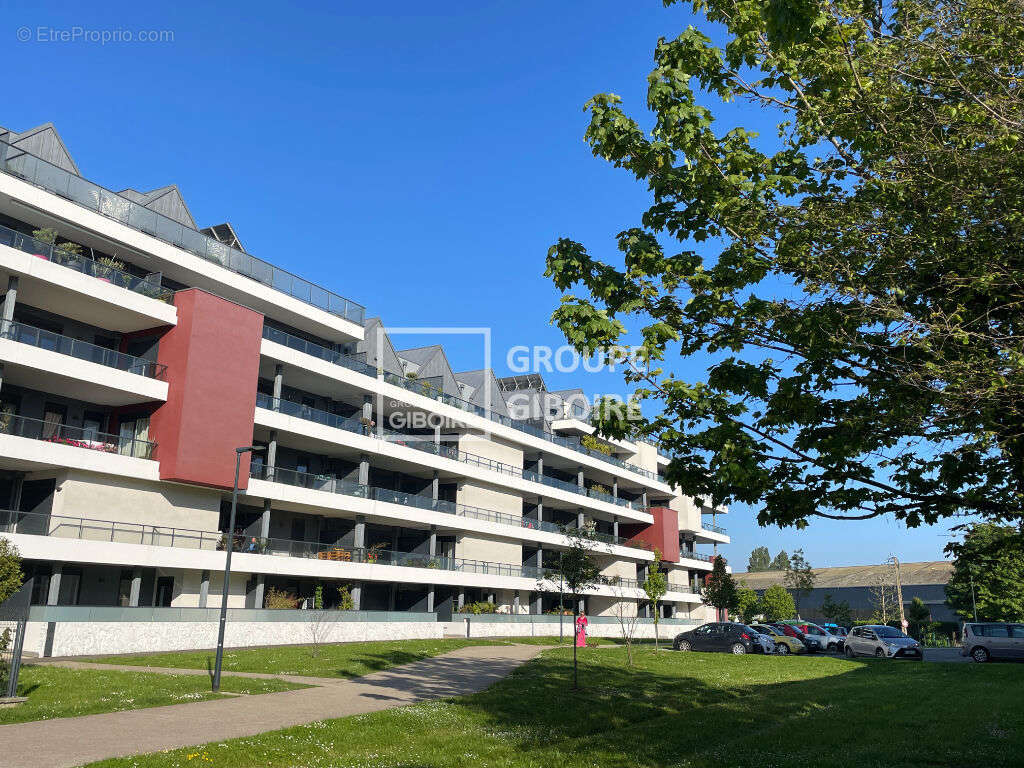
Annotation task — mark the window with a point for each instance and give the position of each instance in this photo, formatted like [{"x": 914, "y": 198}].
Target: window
[
  {"x": 53, "y": 420},
  {"x": 92, "y": 425},
  {"x": 134, "y": 437},
  {"x": 996, "y": 630},
  {"x": 1017, "y": 631}
]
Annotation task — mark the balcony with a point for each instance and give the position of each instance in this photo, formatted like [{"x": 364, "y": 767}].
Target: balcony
[
  {"x": 16, "y": 162},
  {"x": 331, "y": 484},
  {"x": 58, "y": 526},
  {"x": 147, "y": 286},
  {"x": 82, "y": 350},
  {"x": 690, "y": 554},
  {"x": 76, "y": 437},
  {"x": 427, "y": 445},
  {"x": 426, "y": 390}
]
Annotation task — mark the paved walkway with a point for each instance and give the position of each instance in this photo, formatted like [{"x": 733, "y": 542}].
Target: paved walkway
[
  {"x": 74, "y": 741},
  {"x": 301, "y": 679}
]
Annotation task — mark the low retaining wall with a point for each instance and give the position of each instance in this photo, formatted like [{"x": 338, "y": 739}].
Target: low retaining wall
[
  {"x": 58, "y": 631},
  {"x": 547, "y": 626}
]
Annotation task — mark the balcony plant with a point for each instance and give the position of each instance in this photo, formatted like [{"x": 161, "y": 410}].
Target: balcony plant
[
  {"x": 373, "y": 553},
  {"x": 72, "y": 252},
  {"x": 107, "y": 266},
  {"x": 47, "y": 236}
]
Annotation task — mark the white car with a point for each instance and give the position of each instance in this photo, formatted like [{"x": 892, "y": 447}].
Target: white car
[{"x": 882, "y": 642}]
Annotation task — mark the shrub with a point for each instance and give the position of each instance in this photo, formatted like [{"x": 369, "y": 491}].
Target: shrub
[
  {"x": 593, "y": 444},
  {"x": 278, "y": 599},
  {"x": 479, "y": 608},
  {"x": 345, "y": 601}
]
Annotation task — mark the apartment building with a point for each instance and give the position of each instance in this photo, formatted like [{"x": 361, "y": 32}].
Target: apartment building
[{"x": 139, "y": 351}]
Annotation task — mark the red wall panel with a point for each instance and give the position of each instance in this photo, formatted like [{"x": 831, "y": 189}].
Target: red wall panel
[
  {"x": 663, "y": 533},
  {"x": 212, "y": 357}
]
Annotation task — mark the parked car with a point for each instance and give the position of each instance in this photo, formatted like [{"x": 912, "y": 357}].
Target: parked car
[
  {"x": 829, "y": 641},
  {"x": 811, "y": 643},
  {"x": 993, "y": 640},
  {"x": 784, "y": 644},
  {"x": 716, "y": 636},
  {"x": 883, "y": 642},
  {"x": 764, "y": 642}
]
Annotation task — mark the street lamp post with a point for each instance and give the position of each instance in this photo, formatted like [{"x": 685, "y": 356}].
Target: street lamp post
[{"x": 227, "y": 568}]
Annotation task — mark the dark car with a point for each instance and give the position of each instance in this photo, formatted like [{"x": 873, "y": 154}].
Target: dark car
[
  {"x": 811, "y": 643},
  {"x": 716, "y": 636}
]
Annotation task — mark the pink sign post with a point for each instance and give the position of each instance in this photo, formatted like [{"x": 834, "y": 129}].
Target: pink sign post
[{"x": 581, "y": 632}]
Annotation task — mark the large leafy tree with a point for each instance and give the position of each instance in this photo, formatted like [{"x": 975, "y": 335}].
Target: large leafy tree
[
  {"x": 800, "y": 578},
  {"x": 781, "y": 562},
  {"x": 719, "y": 590},
  {"x": 777, "y": 604},
  {"x": 855, "y": 283},
  {"x": 10, "y": 569},
  {"x": 989, "y": 568}
]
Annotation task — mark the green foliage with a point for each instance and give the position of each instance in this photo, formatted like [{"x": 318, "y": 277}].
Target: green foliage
[
  {"x": 478, "y": 608},
  {"x": 836, "y": 612},
  {"x": 591, "y": 443},
  {"x": 45, "y": 235},
  {"x": 747, "y": 604},
  {"x": 719, "y": 590},
  {"x": 781, "y": 562},
  {"x": 800, "y": 578},
  {"x": 72, "y": 248},
  {"x": 318, "y": 598},
  {"x": 994, "y": 556},
  {"x": 919, "y": 618},
  {"x": 760, "y": 560},
  {"x": 10, "y": 569},
  {"x": 345, "y": 601},
  {"x": 854, "y": 282},
  {"x": 279, "y": 599},
  {"x": 777, "y": 604}
]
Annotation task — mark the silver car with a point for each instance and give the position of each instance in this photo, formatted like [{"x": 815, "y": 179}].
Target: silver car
[
  {"x": 993, "y": 640},
  {"x": 882, "y": 642},
  {"x": 765, "y": 643}
]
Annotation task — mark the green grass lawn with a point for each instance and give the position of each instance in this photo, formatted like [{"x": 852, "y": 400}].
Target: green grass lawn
[
  {"x": 672, "y": 710},
  {"x": 57, "y": 692},
  {"x": 338, "y": 660}
]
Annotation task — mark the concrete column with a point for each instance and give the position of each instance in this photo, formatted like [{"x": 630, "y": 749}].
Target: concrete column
[
  {"x": 136, "y": 591},
  {"x": 257, "y": 601},
  {"x": 433, "y": 541},
  {"x": 540, "y": 464},
  {"x": 265, "y": 522},
  {"x": 515, "y": 602},
  {"x": 271, "y": 454},
  {"x": 364, "y": 469},
  {"x": 537, "y": 605},
  {"x": 204, "y": 588},
  {"x": 14, "y": 502},
  {"x": 54, "y": 593},
  {"x": 392, "y": 593},
  {"x": 580, "y": 519},
  {"x": 644, "y": 498},
  {"x": 615, "y": 487},
  {"x": 490, "y": 598},
  {"x": 10, "y": 299},
  {"x": 437, "y": 434},
  {"x": 430, "y": 599},
  {"x": 540, "y": 509},
  {"x": 615, "y": 526},
  {"x": 579, "y": 477},
  {"x": 368, "y": 407},
  {"x": 359, "y": 533},
  {"x": 435, "y": 487},
  {"x": 357, "y": 596},
  {"x": 461, "y": 601},
  {"x": 278, "y": 380},
  {"x": 540, "y": 557}
]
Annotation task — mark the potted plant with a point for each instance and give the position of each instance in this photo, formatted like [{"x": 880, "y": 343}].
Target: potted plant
[
  {"x": 72, "y": 251},
  {"x": 45, "y": 236},
  {"x": 106, "y": 266},
  {"x": 374, "y": 552}
]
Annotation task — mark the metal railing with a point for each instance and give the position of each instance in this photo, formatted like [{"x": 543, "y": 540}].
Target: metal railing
[
  {"x": 427, "y": 445},
  {"x": 17, "y": 162},
  {"x": 714, "y": 528},
  {"x": 82, "y": 350},
  {"x": 692, "y": 555},
  {"x": 86, "y": 265},
  {"x": 428, "y": 390},
  {"x": 77, "y": 437},
  {"x": 60, "y": 526},
  {"x": 332, "y": 484}
]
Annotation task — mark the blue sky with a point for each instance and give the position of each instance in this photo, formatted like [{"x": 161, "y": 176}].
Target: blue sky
[{"x": 419, "y": 160}]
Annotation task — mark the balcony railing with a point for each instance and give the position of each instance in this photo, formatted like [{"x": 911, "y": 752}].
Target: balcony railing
[
  {"x": 428, "y": 390},
  {"x": 714, "y": 528},
  {"x": 82, "y": 350},
  {"x": 427, "y": 445},
  {"x": 692, "y": 555},
  {"x": 87, "y": 266},
  {"x": 332, "y": 484},
  {"x": 17, "y": 162},
  {"x": 77, "y": 437},
  {"x": 60, "y": 526}
]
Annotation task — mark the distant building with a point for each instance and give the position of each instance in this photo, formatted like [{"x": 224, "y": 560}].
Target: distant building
[{"x": 853, "y": 583}]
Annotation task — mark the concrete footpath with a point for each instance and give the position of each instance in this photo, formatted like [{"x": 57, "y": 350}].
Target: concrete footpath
[{"x": 74, "y": 741}]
